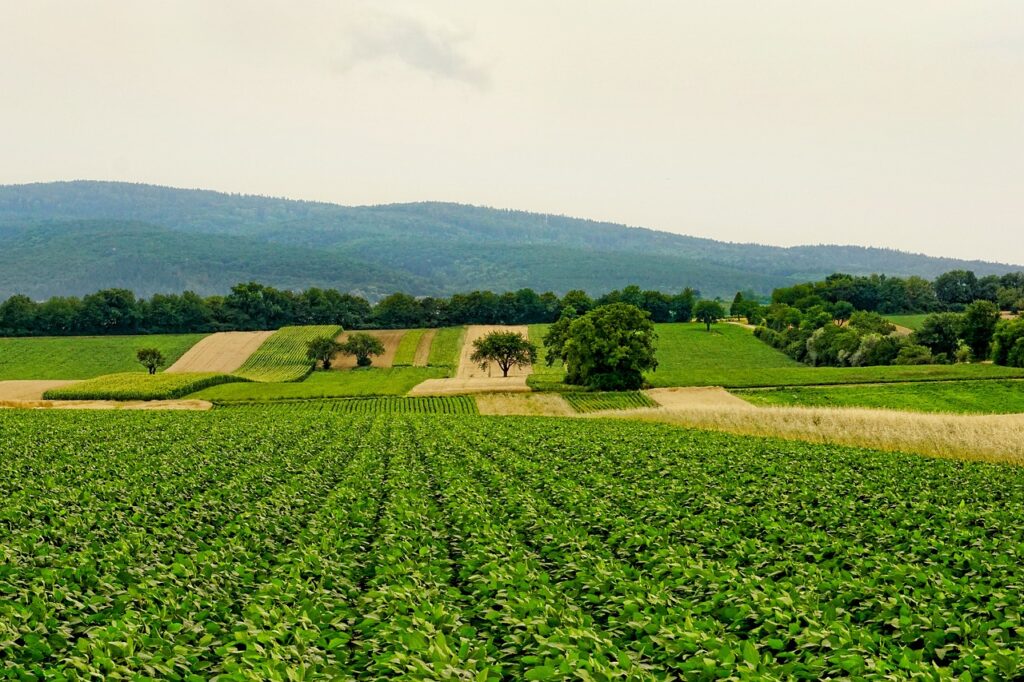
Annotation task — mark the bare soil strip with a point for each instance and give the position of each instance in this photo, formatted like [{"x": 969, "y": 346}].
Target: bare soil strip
[
  {"x": 223, "y": 352},
  {"x": 28, "y": 390},
  {"x": 527, "y": 404},
  {"x": 696, "y": 396},
  {"x": 389, "y": 337},
  {"x": 463, "y": 386},
  {"x": 422, "y": 357},
  {"x": 471, "y": 370},
  {"x": 106, "y": 404}
]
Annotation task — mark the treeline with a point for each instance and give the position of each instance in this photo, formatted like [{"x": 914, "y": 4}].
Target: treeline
[
  {"x": 254, "y": 306},
  {"x": 951, "y": 291},
  {"x": 838, "y": 322}
]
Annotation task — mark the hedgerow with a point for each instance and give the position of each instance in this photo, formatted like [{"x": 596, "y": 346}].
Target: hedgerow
[{"x": 333, "y": 546}]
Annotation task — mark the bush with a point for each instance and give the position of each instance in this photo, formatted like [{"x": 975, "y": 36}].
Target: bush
[
  {"x": 914, "y": 354},
  {"x": 1007, "y": 348}
]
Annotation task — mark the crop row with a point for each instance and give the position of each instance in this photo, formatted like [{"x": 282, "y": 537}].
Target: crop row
[
  {"x": 282, "y": 357},
  {"x": 459, "y": 404},
  {"x": 319, "y": 545},
  {"x": 595, "y": 402},
  {"x": 139, "y": 386}
]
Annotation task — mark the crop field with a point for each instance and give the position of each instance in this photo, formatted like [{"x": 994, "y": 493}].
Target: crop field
[
  {"x": 371, "y": 381},
  {"x": 597, "y": 401},
  {"x": 405, "y": 356},
  {"x": 445, "y": 350},
  {"x": 454, "y": 404},
  {"x": 84, "y": 357},
  {"x": 282, "y": 357},
  {"x": 908, "y": 321},
  {"x": 432, "y": 547},
  {"x": 966, "y": 397},
  {"x": 139, "y": 386}
]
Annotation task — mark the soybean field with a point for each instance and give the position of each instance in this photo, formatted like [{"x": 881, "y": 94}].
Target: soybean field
[{"x": 360, "y": 546}]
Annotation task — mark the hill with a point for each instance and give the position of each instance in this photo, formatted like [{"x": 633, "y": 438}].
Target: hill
[{"x": 75, "y": 237}]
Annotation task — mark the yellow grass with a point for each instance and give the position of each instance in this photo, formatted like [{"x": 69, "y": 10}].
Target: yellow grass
[
  {"x": 994, "y": 438},
  {"x": 527, "y": 404}
]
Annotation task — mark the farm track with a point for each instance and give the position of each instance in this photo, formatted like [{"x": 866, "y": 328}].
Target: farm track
[
  {"x": 223, "y": 352},
  {"x": 422, "y": 357},
  {"x": 28, "y": 389}
]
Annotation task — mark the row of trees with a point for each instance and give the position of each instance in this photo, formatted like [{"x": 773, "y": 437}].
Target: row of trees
[
  {"x": 951, "y": 291},
  {"x": 251, "y": 306}
]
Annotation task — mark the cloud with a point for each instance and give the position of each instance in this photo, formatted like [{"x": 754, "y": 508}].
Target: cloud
[{"x": 428, "y": 47}]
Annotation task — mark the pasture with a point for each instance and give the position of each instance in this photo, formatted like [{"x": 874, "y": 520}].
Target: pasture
[
  {"x": 909, "y": 321},
  {"x": 966, "y": 397},
  {"x": 84, "y": 357},
  {"x": 329, "y": 545}
]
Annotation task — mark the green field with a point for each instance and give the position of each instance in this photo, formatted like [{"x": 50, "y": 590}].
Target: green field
[
  {"x": 139, "y": 386},
  {"x": 446, "y": 348},
  {"x": 968, "y": 397},
  {"x": 908, "y": 321},
  {"x": 282, "y": 357},
  {"x": 731, "y": 356},
  {"x": 371, "y": 381},
  {"x": 84, "y": 357},
  {"x": 406, "y": 352},
  {"x": 603, "y": 400},
  {"x": 326, "y": 546},
  {"x": 455, "y": 404}
]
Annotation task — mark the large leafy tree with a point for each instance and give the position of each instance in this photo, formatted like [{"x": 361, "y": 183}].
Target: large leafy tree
[
  {"x": 322, "y": 349},
  {"x": 977, "y": 326},
  {"x": 505, "y": 349},
  {"x": 363, "y": 346},
  {"x": 609, "y": 348},
  {"x": 940, "y": 333},
  {"x": 708, "y": 312}
]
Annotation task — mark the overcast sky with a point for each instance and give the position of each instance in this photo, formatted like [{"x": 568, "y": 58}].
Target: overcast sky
[{"x": 895, "y": 124}]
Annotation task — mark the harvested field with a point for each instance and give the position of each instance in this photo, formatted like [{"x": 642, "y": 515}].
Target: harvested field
[
  {"x": 389, "y": 337},
  {"x": 458, "y": 386},
  {"x": 223, "y": 352},
  {"x": 423, "y": 349},
  {"x": 190, "y": 405},
  {"x": 28, "y": 389},
  {"x": 695, "y": 396},
  {"x": 525, "y": 404}
]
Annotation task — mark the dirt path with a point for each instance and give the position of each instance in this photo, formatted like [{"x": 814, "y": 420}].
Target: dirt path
[
  {"x": 222, "y": 352},
  {"x": 471, "y": 370},
  {"x": 389, "y": 337},
  {"x": 422, "y": 357},
  {"x": 106, "y": 404},
  {"x": 462, "y": 386},
  {"x": 28, "y": 390}
]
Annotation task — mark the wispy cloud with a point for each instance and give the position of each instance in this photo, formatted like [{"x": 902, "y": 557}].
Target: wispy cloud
[{"x": 431, "y": 48}]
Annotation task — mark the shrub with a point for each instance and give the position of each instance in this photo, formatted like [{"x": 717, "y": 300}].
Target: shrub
[{"x": 914, "y": 354}]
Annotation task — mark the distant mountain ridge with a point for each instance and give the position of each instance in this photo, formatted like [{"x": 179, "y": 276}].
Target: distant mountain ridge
[{"x": 71, "y": 238}]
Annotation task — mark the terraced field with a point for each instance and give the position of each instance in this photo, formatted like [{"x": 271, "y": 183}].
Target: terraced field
[{"x": 462, "y": 547}]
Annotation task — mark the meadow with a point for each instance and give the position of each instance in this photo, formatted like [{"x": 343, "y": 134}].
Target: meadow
[
  {"x": 965, "y": 397},
  {"x": 908, "y": 321},
  {"x": 444, "y": 351},
  {"x": 370, "y": 381},
  {"x": 84, "y": 357},
  {"x": 406, "y": 353},
  {"x": 430, "y": 547}
]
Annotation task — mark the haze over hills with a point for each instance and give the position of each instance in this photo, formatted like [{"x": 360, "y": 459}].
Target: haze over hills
[{"x": 71, "y": 238}]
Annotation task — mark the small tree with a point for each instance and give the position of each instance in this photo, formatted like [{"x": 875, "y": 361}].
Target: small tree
[
  {"x": 506, "y": 349},
  {"x": 362, "y": 345},
  {"x": 322, "y": 349},
  {"x": 151, "y": 358},
  {"x": 708, "y": 312},
  {"x": 841, "y": 312}
]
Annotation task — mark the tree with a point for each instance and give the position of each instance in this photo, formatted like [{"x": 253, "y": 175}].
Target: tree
[
  {"x": 506, "y": 349},
  {"x": 940, "y": 333},
  {"x": 739, "y": 305},
  {"x": 841, "y": 312},
  {"x": 913, "y": 354},
  {"x": 151, "y": 358},
  {"x": 362, "y": 345},
  {"x": 977, "y": 326},
  {"x": 1008, "y": 343},
  {"x": 956, "y": 287},
  {"x": 322, "y": 349},
  {"x": 682, "y": 305},
  {"x": 609, "y": 348},
  {"x": 708, "y": 312}
]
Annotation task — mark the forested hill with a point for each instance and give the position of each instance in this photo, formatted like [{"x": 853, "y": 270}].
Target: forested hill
[{"x": 70, "y": 238}]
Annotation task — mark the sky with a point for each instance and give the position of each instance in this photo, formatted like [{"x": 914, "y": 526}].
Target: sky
[{"x": 894, "y": 124}]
